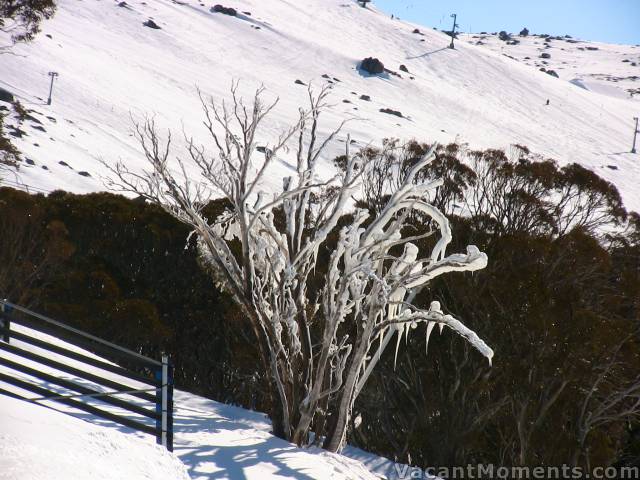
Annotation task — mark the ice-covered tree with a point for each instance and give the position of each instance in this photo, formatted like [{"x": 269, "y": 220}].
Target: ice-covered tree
[{"x": 321, "y": 325}]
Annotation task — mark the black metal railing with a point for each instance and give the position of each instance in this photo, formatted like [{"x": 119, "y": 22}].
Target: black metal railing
[{"x": 157, "y": 376}]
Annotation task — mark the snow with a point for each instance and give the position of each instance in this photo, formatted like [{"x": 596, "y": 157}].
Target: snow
[
  {"x": 37, "y": 443},
  {"x": 212, "y": 440},
  {"x": 599, "y": 67},
  {"x": 112, "y": 68}
]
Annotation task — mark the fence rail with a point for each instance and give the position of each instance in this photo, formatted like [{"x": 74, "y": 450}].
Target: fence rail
[{"x": 158, "y": 380}]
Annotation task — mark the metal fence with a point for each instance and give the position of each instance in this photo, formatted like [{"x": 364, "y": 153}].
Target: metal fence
[{"x": 157, "y": 376}]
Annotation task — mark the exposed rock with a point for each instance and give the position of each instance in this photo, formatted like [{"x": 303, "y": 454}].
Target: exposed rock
[
  {"x": 552, "y": 73},
  {"x": 372, "y": 65},
  {"x": 366, "y": 98},
  {"x": 545, "y": 55},
  {"x": 524, "y": 32},
  {"x": 403, "y": 68},
  {"x": 29, "y": 161},
  {"x": 504, "y": 36},
  {"x": 151, "y": 24},
  {"x": 592, "y": 48},
  {"x": 84, "y": 174},
  {"x": 225, "y": 10},
  {"x": 392, "y": 112},
  {"x": 299, "y": 82}
]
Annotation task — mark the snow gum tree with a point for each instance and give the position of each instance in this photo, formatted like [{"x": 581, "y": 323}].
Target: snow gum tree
[{"x": 321, "y": 329}]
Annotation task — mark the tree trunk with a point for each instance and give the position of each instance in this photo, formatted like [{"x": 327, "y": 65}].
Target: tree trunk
[{"x": 340, "y": 416}]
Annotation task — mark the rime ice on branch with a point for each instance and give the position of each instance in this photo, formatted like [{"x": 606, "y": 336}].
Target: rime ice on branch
[{"x": 319, "y": 345}]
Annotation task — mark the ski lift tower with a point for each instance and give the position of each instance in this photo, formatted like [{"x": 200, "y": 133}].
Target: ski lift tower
[
  {"x": 453, "y": 29},
  {"x": 53, "y": 75}
]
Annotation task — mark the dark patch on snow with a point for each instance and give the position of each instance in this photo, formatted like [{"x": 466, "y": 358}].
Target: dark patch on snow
[
  {"x": 224, "y": 10},
  {"x": 6, "y": 95},
  {"x": 151, "y": 24},
  {"x": 390, "y": 111},
  {"x": 372, "y": 65}
]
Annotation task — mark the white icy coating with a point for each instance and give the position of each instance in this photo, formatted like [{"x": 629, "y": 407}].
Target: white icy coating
[
  {"x": 111, "y": 67},
  {"x": 320, "y": 337}
]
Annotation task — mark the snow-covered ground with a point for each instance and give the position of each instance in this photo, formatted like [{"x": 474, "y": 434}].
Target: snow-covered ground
[
  {"x": 609, "y": 69},
  {"x": 111, "y": 68},
  {"x": 37, "y": 443},
  {"x": 212, "y": 440}
]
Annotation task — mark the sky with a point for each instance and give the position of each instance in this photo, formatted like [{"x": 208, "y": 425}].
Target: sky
[{"x": 612, "y": 21}]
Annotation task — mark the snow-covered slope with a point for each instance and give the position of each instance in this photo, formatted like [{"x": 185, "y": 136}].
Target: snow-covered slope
[
  {"x": 42, "y": 444},
  {"x": 212, "y": 440},
  {"x": 112, "y": 67},
  {"x": 610, "y": 69}
]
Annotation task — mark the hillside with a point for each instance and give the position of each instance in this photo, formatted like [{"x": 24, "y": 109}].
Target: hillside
[
  {"x": 609, "y": 69},
  {"x": 112, "y": 68}
]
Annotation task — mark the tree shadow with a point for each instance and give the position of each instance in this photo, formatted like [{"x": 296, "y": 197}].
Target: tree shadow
[{"x": 209, "y": 440}]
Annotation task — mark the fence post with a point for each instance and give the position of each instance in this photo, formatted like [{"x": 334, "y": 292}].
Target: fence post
[
  {"x": 164, "y": 405},
  {"x": 5, "y": 323},
  {"x": 169, "y": 406}
]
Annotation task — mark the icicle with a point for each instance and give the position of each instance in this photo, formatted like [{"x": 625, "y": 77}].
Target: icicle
[
  {"x": 441, "y": 325},
  {"x": 430, "y": 326},
  {"x": 400, "y": 332}
]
